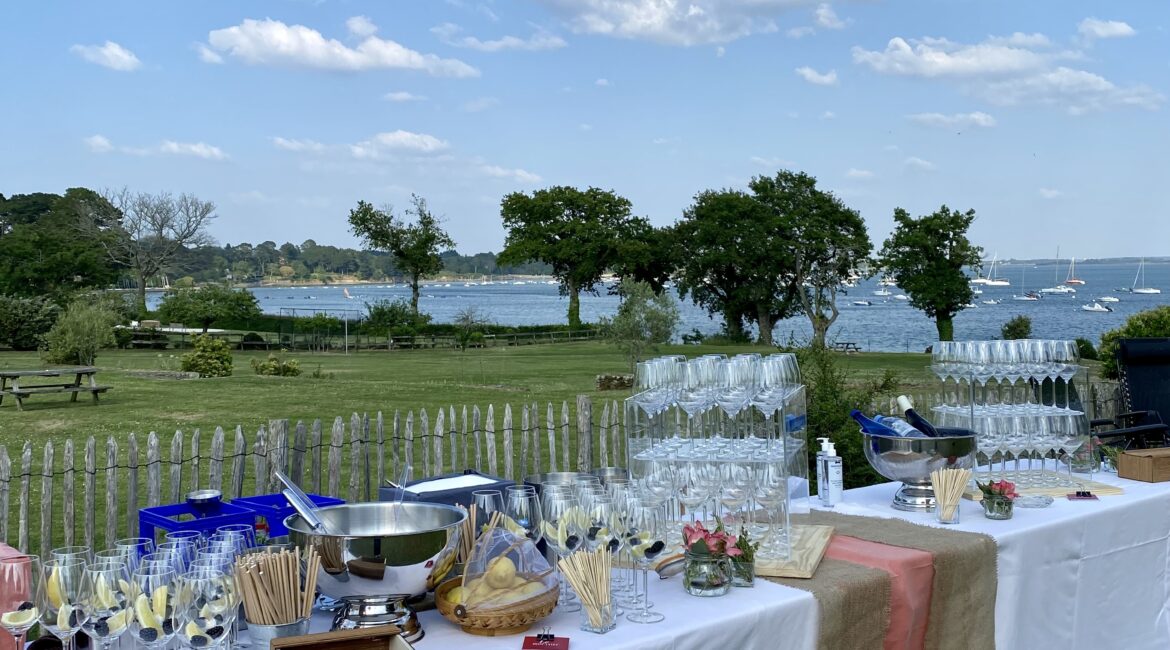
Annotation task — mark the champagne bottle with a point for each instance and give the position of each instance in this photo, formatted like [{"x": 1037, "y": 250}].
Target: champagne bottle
[
  {"x": 872, "y": 427},
  {"x": 916, "y": 420}
]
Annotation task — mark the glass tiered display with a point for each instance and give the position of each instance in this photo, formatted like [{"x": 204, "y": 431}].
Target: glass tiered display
[
  {"x": 717, "y": 436},
  {"x": 1021, "y": 398}
]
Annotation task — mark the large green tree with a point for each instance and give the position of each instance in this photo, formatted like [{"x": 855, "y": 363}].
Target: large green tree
[
  {"x": 734, "y": 260},
  {"x": 579, "y": 233},
  {"x": 206, "y": 305},
  {"x": 644, "y": 320},
  {"x": 415, "y": 246},
  {"x": 928, "y": 255},
  {"x": 826, "y": 242}
]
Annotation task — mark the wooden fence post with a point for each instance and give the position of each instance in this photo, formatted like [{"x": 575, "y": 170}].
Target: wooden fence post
[
  {"x": 176, "y": 467},
  {"x": 438, "y": 441},
  {"x": 525, "y": 443},
  {"x": 336, "y": 441},
  {"x": 355, "y": 454},
  {"x": 424, "y": 428},
  {"x": 68, "y": 508},
  {"x": 132, "y": 486},
  {"x": 475, "y": 431},
  {"x": 90, "y": 490},
  {"x": 584, "y": 434},
  {"x": 453, "y": 435},
  {"x": 296, "y": 466},
  {"x": 537, "y": 462},
  {"x": 395, "y": 436},
  {"x": 616, "y": 438},
  {"x": 154, "y": 472},
  {"x": 490, "y": 434},
  {"x": 407, "y": 453},
  {"x": 509, "y": 452},
  {"x": 260, "y": 459},
  {"x": 565, "y": 436},
  {"x": 380, "y": 437},
  {"x": 111, "y": 491},
  {"x": 25, "y": 473},
  {"x": 196, "y": 437},
  {"x": 47, "y": 500},
  {"x": 602, "y": 441},
  {"x": 215, "y": 467},
  {"x": 550, "y": 424},
  {"x": 239, "y": 463},
  {"x": 466, "y": 458},
  {"x": 314, "y": 452},
  {"x": 5, "y": 480}
]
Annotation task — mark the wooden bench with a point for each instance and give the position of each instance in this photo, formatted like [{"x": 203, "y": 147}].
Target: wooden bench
[
  {"x": 10, "y": 384},
  {"x": 848, "y": 347}
]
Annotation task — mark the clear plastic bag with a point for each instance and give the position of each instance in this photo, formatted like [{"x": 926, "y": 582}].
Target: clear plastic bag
[{"x": 504, "y": 569}]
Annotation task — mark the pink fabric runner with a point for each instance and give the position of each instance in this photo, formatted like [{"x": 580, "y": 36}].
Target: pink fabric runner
[{"x": 911, "y": 584}]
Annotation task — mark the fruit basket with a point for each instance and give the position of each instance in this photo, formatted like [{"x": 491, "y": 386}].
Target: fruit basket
[{"x": 512, "y": 618}]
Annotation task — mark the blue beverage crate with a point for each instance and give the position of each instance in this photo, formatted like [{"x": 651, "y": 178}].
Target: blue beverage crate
[
  {"x": 275, "y": 508},
  {"x": 183, "y": 516}
]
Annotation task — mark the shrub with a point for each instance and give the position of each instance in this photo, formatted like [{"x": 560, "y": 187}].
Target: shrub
[
  {"x": 320, "y": 374},
  {"x": 24, "y": 321},
  {"x": 123, "y": 337},
  {"x": 469, "y": 324},
  {"x": 830, "y": 399},
  {"x": 694, "y": 338},
  {"x": 276, "y": 366},
  {"x": 80, "y": 331},
  {"x": 385, "y": 316},
  {"x": 1019, "y": 327},
  {"x": 1144, "y": 324},
  {"x": 1085, "y": 349},
  {"x": 211, "y": 358}
]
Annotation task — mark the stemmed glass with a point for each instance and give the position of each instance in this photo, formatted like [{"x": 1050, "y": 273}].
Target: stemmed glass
[
  {"x": 646, "y": 542},
  {"x": 134, "y": 549},
  {"x": 487, "y": 502},
  {"x": 735, "y": 486},
  {"x": 154, "y": 623},
  {"x": 60, "y": 603},
  {"x": 106, "y": 595},
  {"x": 771, "y": 492},
  {"x": 83, "y": 553},
  {"x": 247, "y": 530},
  {"x": 523, "y": 507},
  {"x": 21, "y": 582},
  {"x": 563, "y": 533},
  {"x": 205, "y": 608}
]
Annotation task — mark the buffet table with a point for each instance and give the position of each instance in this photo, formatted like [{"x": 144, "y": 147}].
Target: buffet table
[{"x": 1078, "y": 574}]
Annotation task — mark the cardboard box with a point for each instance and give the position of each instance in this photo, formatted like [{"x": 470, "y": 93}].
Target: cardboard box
[
  {"x": 1149, "y": 465},
  {"x": 375, "y": 638}
]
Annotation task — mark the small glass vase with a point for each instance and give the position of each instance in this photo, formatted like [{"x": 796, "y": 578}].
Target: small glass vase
[
  {"x": 598, "y": 621},
  {"x": 706, "y": 575},
  {"x": 997, "y": 507},
  {"x": 743, "y": 573}
]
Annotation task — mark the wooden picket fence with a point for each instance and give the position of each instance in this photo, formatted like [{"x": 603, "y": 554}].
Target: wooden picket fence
[{"x": 350, "y": 460}]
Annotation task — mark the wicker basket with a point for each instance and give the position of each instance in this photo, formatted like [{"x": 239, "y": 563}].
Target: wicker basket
[{"x": 513, "y": 618}]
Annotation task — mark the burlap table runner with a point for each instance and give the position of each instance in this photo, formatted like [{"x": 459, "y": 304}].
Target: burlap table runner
[
  {"x": 962, "y": 605},
  {"x": 854, "y": 602}
]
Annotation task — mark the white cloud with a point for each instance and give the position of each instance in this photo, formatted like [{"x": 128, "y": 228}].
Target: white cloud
[
  {"x": 603, "y": 82},
  {"x": 800, "y": 32},
  {"x": 480, "y": 104},
  {"x": 672, "y": 22},
  {"x": 109, "y": 55},
  {"x": 828, "y": 115},
  {"x": 813, "y": 77},
  {"x": 584, "y": 127},
  {"x": 1007, "y": 71},
  {"x": 401, "y": 96},
  {"x": 860, "y": 174},
  {"x": 398, "y": 141},
  {"x": 518, "y": 175},
  {"x": 827, "y": 18},
  {"x": 477, "y": 7},
  {"x": 664, "y": 141},
  {"x": 208, "y": 55},
  {"x": 291, "y": 144},
  {"x": 771, "y": 162},
  {"x": 978, "y": 118},
  {"x": 271, "y": 42},
  {"x": 1077, "y": 91},
  {"x": 448, "y": 33},
  {"x": 1049, "y": 193},
  {"x": 98, "y": 143},
  {"x": 197, "y": 149},
  {"x": 720, "y": 51},
  {"x": 361, "y": 26},
  {"x": 1092, "y": 28},
  {"x": 916, "y": 163}
]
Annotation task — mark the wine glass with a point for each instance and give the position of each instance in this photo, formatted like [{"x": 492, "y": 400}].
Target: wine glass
[
  {"x": 247, "y": 530},
  {"x": 563, "y": 522},
  {"x": 186, "y": 550},
  {"x": 59, "y": 605},
  {"x": 523, "y": 507},
  {"x": 84, "y": 553},
  {"x": 153, "y": 624},
  {"x": 106, "y": 595},
  {"x": 135, "y": 549},
  {"x": 487, "y": 502},
  {"x": 21, "y": 581},
  {"x": 205, "y": 608},
  {"x": 646, "y": 544}
]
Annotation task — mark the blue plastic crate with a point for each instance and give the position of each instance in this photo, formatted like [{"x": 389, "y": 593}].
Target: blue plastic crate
[
  {"x": 275, "y": 508},
  {"x": 183, "y": 516}
]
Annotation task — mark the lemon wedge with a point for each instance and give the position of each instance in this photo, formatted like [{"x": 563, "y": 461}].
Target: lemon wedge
[
  {"x": 63, "y": 617},
  {"x": 192, "y": 629},
  {"x": 20, "y": 618},
  {"x": 53, "y": 589},
  {"x": 145, "y": 614},
  {"x": 158, "y": 601},
  {"x": 118, "y": 621},
  {"x": 105, "y": 595}
]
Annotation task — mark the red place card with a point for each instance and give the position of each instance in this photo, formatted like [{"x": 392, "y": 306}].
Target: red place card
[{"x": 544, "y": 643}]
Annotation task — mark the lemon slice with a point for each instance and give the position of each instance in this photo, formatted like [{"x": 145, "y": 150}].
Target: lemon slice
[
  {"x": 192, "y": 629},
  {"x": 63, "y": 617},
  {"x": 118, "y": 621},
  {"x": 19, "y": 619},
  {"x": 105, "y": 595},
  {"x": 158, "y": 601},
  {"x": 145, "y": 614},
  {"x": 53, "y": 589},
  {"x": 131, "y": 590}
]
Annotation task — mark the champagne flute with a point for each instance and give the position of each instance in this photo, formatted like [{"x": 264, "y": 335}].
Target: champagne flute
[
  {"x": 21, "y": 581},
  {"x": 59, "y": 605},
  {"x": 106, "y": 595},
  {"x": 646, "y": 543},
  {"x": 153, "y": 623}
]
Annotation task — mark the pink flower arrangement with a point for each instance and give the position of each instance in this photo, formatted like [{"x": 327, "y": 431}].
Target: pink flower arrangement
[
  {"x": 998, "y": 489},
  {"x": 700, "y": 541}
]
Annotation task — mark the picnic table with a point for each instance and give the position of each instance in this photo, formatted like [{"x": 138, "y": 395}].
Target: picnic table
[
  {"x": 10, "y": 383},
  {"x": 848, "y": 347}
]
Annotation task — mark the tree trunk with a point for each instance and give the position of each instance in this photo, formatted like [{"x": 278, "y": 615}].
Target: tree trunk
[
  {"x": 764, "y": 321},
  {"x": 414, "y": 294},
  {"x": 574, "y": 308},
  {"x": 141, "y": 295},
  {"x": 733, "y": 324},
  {"x": 820, "y": 330},
  {"x": 946, "y": 328}
]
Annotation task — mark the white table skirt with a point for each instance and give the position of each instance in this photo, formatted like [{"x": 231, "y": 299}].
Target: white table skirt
[{"x": 1078, "y": 574}]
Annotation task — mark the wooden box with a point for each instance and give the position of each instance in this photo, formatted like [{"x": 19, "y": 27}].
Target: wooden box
[
  {"x": 384, "y": 638},
  {"x": 1149, "y": 465}
]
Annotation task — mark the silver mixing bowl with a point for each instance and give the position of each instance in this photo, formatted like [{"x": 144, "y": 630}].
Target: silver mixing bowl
[
  {"x": 911, "y": 460},
  {"x": 375, "y": 556}
]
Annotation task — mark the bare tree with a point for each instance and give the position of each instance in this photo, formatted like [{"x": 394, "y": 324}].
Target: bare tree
[{"x": 151, "y": 231}]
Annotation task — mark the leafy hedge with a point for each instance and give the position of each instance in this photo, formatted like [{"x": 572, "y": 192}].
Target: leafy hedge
[{"x": 1144, "y": 324}]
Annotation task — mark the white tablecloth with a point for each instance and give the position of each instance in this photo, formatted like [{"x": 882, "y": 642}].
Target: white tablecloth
[{"x": 1078, "y": 574}]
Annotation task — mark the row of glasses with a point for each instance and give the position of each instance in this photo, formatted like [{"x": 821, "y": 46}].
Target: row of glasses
[{"x": 1008, "y": 361}]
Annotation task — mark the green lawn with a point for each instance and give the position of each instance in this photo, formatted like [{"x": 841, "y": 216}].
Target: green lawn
[{"x": 361, "y": 382}]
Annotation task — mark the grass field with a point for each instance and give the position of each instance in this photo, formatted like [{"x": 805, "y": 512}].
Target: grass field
[{"x": 361, "y": 382}]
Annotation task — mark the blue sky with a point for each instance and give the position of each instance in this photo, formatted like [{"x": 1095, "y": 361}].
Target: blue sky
[{"x": 1049, "y": 118}]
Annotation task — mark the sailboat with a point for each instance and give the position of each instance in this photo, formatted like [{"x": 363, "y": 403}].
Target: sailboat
[
  {"x": 1059, "y": 288},
  {"x": 1072, "y": 278},
  {"x": 345, "y": 290},
  {"x": 993, "y": 281},
  {"x": 882, "y": 292},
  {"x": 1141, "y": 274},
  {"x": 1030, "y": 296}
]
